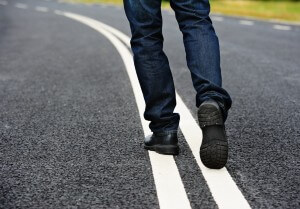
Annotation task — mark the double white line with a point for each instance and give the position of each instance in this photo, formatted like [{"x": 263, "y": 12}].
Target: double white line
[{"x": 170, "y": 189}]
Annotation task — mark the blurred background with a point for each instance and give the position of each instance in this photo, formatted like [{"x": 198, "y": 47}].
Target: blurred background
[{"x": 288, "y": 10}]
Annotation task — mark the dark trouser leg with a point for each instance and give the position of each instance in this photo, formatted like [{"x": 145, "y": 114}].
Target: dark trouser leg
[
  {"x": 202, "y": 51},
  {"x": 151, "y": 63}
]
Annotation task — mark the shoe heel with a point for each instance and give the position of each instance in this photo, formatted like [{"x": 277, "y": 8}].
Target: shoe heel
[
  {"x": 214, "y": 154},
  {"x": 209, "y": 114}
]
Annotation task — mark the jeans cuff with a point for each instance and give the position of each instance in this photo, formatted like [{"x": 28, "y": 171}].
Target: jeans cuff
[{"x": 163, "y": 133}]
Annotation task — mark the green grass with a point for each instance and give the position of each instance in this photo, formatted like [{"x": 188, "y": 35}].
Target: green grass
[
  {"x": 280, "y": 10},
  {"x": 277, "y": 10}
]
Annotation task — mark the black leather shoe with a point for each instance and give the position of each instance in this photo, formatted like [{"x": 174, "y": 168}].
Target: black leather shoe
[
  {"x": 214, "y": 147},
  {"x": 162, "y": 143}
]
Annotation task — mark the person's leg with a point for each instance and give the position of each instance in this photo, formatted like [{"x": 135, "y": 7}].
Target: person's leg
[
  {"x": 151, "y": 63},
  {"x": 202, "y": 51},
  {"x": 203, "y": 59}
]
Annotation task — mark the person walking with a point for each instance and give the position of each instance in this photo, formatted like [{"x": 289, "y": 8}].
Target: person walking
[{"x": 203, "y": 59}]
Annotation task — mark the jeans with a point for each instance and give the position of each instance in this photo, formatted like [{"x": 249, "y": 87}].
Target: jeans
[{"x": 152, "y": 66}]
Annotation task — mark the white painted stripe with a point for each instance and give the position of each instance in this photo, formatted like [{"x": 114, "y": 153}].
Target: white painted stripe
[
  {"x": 170, "y": 189},
  {"x": 21, "y": 6},
  {"x": 58, "y": 12},
  {"x": 41, "y": 9},
  {"x": 246, "y": 22},
  {"x": 3, "y": 3},
  {"x": 223, "y": 188},
  {"x": 217, "y": 18},
  {"x": 282, "y": 27}
]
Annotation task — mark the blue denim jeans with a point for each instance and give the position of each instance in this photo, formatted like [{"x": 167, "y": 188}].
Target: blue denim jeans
[{"x": 152, "y": 65}]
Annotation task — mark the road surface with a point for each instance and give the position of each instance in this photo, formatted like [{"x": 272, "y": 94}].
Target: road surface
[{"x": 71, "y": 131}]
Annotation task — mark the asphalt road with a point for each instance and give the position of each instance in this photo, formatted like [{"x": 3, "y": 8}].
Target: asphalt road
[{"x": 71, "y": 135}]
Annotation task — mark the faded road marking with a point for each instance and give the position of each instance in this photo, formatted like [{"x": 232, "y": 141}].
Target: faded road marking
[{"x": 281, "y": 27}]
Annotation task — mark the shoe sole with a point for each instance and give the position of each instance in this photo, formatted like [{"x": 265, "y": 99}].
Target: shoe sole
[
  {"x": 213, "y": 154},
  {"x": 164, "y": 149}
]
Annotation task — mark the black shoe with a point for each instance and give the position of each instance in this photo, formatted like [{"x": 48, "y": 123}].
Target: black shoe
[
  {"x": 214, "y": 147},
  {"x": 162, "y": 143}
]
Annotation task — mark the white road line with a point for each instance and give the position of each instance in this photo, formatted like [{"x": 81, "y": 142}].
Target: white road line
[
  {"x": 281, "y": 27},
  {"x": 41, "y": 9},
  {"x": 3, "y": 3},
  {"x": 222, "y": 186},
  {"x": 21, "y": 6},
  {"x": 58, "y": 12},
  {"x": 217, "y": 18},
  {"x": 169, "y": 187},
  {"x": 246, "y": 22}
]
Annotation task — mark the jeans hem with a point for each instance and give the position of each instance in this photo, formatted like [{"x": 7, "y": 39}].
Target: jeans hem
[{"x": 163, "y": 133}]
